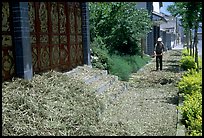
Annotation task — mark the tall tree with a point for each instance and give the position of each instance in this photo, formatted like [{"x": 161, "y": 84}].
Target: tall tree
[
  {"x": 191, "y": 16},
  {"x": 120, "y": 25},
  {"x": 179, "y": 9}
]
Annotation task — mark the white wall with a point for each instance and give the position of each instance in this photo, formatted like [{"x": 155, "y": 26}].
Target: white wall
[{"x": 156, "y": 7}]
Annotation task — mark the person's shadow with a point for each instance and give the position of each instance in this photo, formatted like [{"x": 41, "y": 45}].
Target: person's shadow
[{"x": 154, "y": 70}]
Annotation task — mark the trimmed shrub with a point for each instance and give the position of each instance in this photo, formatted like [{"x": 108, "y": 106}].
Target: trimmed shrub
[
  {"x": 120, "y": 68},
  {"x": 191, "y": 87},
  {"x": 119, "y": 65},
  {"x": 191, "y": 81},
  {"x": 137, "y": 62},
  {"x": 185, "y": 52},
  {"x": 100, "y": 59},
  {"x": 199, "y": 62},
  {"x": 123, "y": 66},
  {"x": 192, "y": 113},
  {"x": 187, "y": 62}
]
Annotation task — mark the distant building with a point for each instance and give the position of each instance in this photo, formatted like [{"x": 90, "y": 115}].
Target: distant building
[
  {"x": 170, "y": 28},
  {"x": 174, "y": 31},
  {"x": 199, "y": 33},
  {"x": 154, "y": 10}
]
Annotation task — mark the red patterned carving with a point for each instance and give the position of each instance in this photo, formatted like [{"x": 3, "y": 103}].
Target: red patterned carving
[
  {"x": 8, "y": 60},
  {"x": 56, "y": 35}
]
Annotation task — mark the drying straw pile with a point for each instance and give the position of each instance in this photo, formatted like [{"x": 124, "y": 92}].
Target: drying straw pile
[{"x": 53, "y": 104}]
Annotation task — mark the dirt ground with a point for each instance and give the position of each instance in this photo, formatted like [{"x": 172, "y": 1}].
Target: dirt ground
[{"x": 149, "y": 107}]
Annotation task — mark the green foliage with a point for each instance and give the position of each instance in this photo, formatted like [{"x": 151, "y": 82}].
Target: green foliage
[
  {"x": 123, "y": 66},
  {"x": 116, "y": 29},
  {"x": 101, "y": 59},
  {"x": 192, "y": 113},
  {"x": 200, "y": 62},
  {"x": 191, "y": 81},
  {"x": 185, "y": 52},
  {"x": 190, "y": 12},
  {"x": 191, "y": 86},
  {"x": 137, "y": 62},
  {"x": 191, "y": 16},
  {"x": 120, "y": 67},
  {"x": 119, "y": 24},
  {"x": 187, "y": 62}
]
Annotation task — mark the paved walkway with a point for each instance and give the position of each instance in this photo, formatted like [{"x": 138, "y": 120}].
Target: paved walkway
[
  {"x": 178, "y": 47},
  {"x": 149, "y": 107},
  {"x": 199, "y": 47}
]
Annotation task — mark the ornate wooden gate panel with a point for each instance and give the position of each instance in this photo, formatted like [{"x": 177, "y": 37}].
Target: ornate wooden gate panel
[
  {"x": 56, "y": 35},
  {"x": 8, "y": 60}
]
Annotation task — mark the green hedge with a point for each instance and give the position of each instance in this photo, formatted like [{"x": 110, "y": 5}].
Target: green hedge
[
  {"x": 101, "y": 59},
  {"x": 119, "y": 65},
  {"x": 191, "y": 81},
  {"x": 185, "y": 52},
  {"x": 192, "y": 113},
  {"x": 191, "y": 87},
  {"x": 187, "y": 62}
]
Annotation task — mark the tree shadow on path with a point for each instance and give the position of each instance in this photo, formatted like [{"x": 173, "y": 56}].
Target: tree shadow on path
[
  {"x": 172, "y": 68},
  {"x": 172, "y": 100}
]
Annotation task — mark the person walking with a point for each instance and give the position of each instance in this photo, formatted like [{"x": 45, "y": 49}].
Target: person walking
[{"x": 158, "y": 52}]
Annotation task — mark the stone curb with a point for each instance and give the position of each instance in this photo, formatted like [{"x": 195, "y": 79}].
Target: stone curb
[{"x": 181, "y": 130}]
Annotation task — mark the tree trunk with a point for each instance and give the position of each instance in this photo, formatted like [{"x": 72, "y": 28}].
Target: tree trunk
[
  {"x": 142, "y": 46},
  {"x": 190, "y": 43},
  {"x": 196, "y": 45},
  {"x": 193, "y": 45},
  {"x": 187, "y": 40}
]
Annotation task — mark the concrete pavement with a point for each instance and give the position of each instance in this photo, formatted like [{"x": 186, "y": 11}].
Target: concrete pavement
[{"x": 180, "y": 46}]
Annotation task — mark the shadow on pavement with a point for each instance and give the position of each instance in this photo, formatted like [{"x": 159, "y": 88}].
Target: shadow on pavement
[
  {"x": 172, "y": 61},
  {"x": 172, "y": 100},
  {"x": 154, "y": 70},
  {"x": 172, "y": 68}
]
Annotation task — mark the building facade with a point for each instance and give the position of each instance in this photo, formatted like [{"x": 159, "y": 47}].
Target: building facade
[
  {"x": 154, "y": 10},
  {"x": 174, "y": 29},
  {"x": 43, "y": 36}
]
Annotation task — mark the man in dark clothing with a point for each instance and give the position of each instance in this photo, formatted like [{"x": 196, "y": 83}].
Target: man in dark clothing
[{"x": 158, "y": 51}]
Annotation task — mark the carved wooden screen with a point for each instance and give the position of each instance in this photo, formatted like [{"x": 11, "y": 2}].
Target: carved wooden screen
[
  {"x": 56, "y": 35},
  {"x": 8, "y": 63}
]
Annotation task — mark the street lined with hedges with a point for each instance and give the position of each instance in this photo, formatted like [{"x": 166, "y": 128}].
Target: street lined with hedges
[
  {"x": 60, "y": 104},
  {"x": 149, "y": 108}
]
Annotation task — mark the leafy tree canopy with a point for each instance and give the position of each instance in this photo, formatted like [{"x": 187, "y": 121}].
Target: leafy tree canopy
[{"x": 120, "y": 25}]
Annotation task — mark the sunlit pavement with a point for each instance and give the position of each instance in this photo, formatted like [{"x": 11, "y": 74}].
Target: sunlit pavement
[
  {"x": 200, "y": 48},
  {"x": 178, "y": 46}
]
